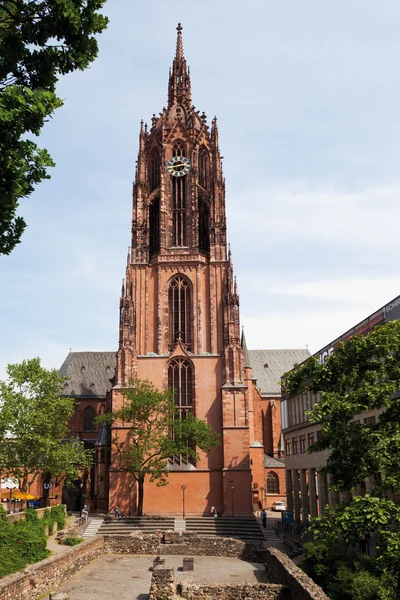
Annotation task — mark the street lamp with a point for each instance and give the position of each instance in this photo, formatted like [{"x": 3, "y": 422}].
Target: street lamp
[
  {"x": 183, "y": 488},
  {"x": 130, "y": 497},
  {"x": 232, "y": 490}
]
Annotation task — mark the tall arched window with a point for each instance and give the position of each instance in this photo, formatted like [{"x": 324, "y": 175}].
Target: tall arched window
[
  {"x": 272, "y": 483},
  {"x": 180, "y": 380},
  {"x": 154, "y": 171},
  {"x": 180, "y": 311},
  {"x": 204, "y": 168},
  {"x": 178, "y": 211},
  {"x": 204, "y": 224},
  {"x": 154, "y": 226},
  {"x": 89, "y": 416}
]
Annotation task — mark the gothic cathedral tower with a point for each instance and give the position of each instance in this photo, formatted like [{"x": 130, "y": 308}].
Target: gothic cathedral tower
[{"x": 179, "y": 308}]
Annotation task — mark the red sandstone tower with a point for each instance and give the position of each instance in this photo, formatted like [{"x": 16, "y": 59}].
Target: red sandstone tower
[{"x": 179, "y": 308}]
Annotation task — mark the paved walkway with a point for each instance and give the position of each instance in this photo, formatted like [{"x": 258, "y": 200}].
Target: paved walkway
[{"x": 129, "y": 577}]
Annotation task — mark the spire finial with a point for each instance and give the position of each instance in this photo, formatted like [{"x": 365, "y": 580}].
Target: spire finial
[
  {"x": 179, "y": 78},
  {"x": 179, "y": 46}
]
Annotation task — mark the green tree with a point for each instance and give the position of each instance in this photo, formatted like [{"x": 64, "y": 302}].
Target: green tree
[
  {"x": 155, "y": 434},
  {"x": 39, "y": 41},
  {"x": 362, "y": 374},
  {"x": 34, "y": 426}
]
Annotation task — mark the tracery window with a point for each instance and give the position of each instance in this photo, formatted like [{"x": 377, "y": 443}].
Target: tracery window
[
  {"x": 272, "y": 483},
  {"x": 89, "y": 416},
  {"x": 154, "y": 171},
  {"x": 180, "y": 311},
  {"x": 179, "y": 149},
  {"x": 204, "y": 168},
  {"x": 154, "y": 226},
  {"x": 204, "y": 225},
  {"x": 178, "y": 211},
  {"x": 180, "y": 380}
]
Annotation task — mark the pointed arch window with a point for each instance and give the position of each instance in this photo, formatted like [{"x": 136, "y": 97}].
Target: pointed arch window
[
  {"x": 154, "y": 170},
  {"x": 179, "y": 149},
  {"x": 89, "y": 416},
  {"x": 180, "y": 311},
  {"x": 204, "y": 168},
  {"x": 181, "y": 380},
  {"x": 154, "y": 226},
  {"x": 204, "y": 224},
  {"x": 272, "y": 483}
]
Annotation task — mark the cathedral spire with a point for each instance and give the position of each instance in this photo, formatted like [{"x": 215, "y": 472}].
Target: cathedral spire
[{"x": 179, "y": 76}]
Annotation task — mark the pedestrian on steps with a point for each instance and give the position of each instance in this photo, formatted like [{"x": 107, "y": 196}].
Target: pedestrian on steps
[
  {"x": 85, "y": 512},
  {"x": 117, "y": 513},
  {"x": 264, "y": 518}
]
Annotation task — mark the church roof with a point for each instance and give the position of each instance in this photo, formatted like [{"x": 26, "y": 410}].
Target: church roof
[
  {"x": 271, "y": 462},
  {"x": 269, "y": 366},
  {"x": 88, "y": 373}
]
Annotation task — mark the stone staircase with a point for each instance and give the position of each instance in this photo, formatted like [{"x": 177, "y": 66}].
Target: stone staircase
[
  {"x": 127, "y": 525},
  {"x": 244, "y": 528},
  {"x": 93, "y": 527}
]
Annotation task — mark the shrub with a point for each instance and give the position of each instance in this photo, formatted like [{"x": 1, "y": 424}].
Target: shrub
[
  {"x": 21, "y": 543},
  {"x": 72, "y": 541},
  {"x": 57, "y": 514}
]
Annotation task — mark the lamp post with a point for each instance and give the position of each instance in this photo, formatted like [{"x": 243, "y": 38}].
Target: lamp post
[
  {"x": 232, "y": 490},
  {"x": 183, "y": 488},
  {"x": 130, "y": 497},
  {"x": 262, "y": 496}
]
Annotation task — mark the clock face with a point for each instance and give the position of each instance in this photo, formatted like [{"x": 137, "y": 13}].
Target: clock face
[{"x": 178, "y": 166}]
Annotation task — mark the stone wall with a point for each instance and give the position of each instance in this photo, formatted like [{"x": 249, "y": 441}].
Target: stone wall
[
  {"x": 163, "y": 587},
  {"x": 186, "y": 543},
  {"x": 281, "y": 569},
  {"x": 35, "y": 580},
  {"x": 266, "y": 591}
]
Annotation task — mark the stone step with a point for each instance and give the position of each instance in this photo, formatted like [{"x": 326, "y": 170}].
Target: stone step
[
  {"x": 180, "y": 525},
  {"x": 93, "y": 527}
]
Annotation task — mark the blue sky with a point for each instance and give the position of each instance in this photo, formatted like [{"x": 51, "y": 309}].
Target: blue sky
[{"x": 306, "y": 95}]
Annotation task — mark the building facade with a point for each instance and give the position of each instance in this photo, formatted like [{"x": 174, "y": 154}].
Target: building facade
[
  {"x": 307, "y": 487},
  {"x": 180, "y": 328}
]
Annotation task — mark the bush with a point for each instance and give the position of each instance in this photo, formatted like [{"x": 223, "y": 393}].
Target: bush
[
  {"x": 72, "y": 541},
  {"x": 21, "y": 543},
  {"x": 57, "y": 514}
]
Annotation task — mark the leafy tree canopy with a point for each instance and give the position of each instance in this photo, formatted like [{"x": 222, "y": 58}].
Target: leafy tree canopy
[
  {"x": 34, "y": 426},
  {"x": 39, "y": 41},
  {"x": 155, "y": 434},
  {"x": 362, "y": 374}
]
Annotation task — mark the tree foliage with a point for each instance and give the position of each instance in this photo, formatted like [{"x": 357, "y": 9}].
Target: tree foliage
[
  {"x": 155, "y": 434},
  {"x": 39, "y": 41},
  {"x": 362, "y": 374},
  {"x": 34, "y": 426}
]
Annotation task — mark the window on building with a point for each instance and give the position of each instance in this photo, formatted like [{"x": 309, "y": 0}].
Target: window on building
[
  {"x": 272, "y": 483},
  {"x": 311, "y": 438},
  {"x": 204, "y": 168},
  {"x": 180, "y": 311},
  {"x": 154, "y": 171},
  {"x": 318, "y": 434},
  {"x": 204, "y": 221},
  {"x": 89, "y": 415},
  {"x": 295, "y": 445},
  {"x": 302, "y": 444},
  {"x": 154, "y": 226},
  {"x": 369, "y": 420},
  {"x": 181, "y": 380},
  {"x": 288, "y": 447}
]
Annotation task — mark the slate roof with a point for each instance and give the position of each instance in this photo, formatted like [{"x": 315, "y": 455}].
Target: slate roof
[
  {"x": 271, "y": 462},
  {"x": 89, "y": 373},
  {"x": 269, "y": 366}
]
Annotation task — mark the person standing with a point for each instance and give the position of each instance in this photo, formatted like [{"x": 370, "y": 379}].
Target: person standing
[
  {"x": 117, "y": 513},
  {"x": 264, "y": 518},
  {"x": 85, "y": 511}
]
